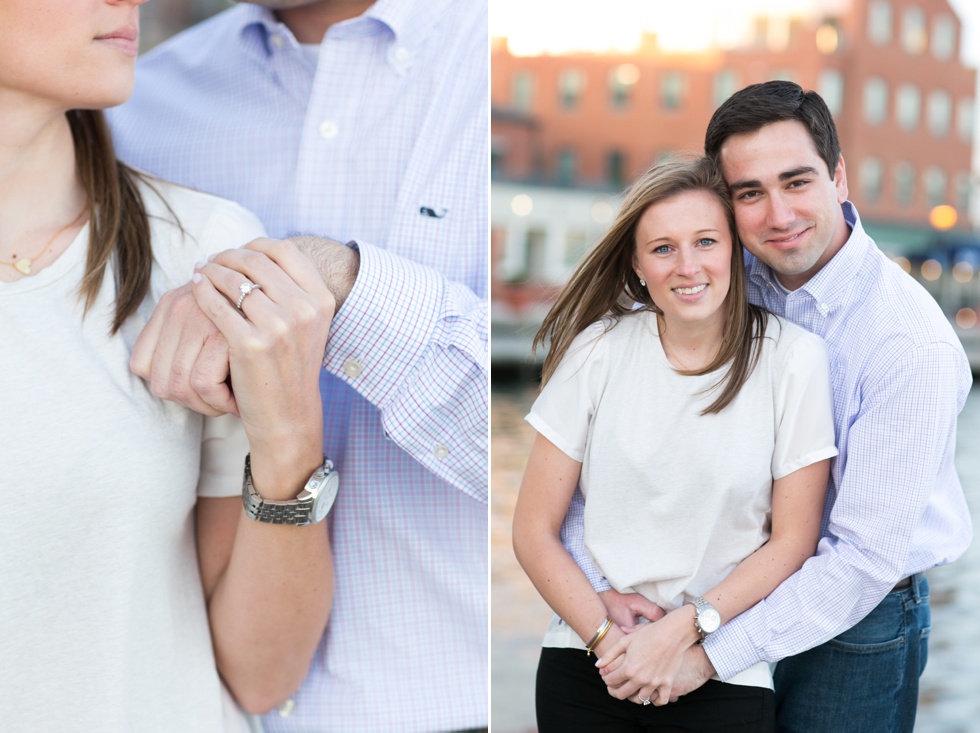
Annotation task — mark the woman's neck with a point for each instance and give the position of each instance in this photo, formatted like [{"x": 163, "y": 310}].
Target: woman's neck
[
  {"x": 39, "y": 188},
  {"x": 690, "y": 346}
]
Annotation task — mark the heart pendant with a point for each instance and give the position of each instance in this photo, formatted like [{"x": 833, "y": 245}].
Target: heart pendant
[{"x": 23, "y": 266}]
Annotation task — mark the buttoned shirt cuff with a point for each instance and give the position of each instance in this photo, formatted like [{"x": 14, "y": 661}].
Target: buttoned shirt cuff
[
  {"x": 415, "y": 346},
  {"x": 385, "y": 324},
  {"x": 730, "y": 650}
]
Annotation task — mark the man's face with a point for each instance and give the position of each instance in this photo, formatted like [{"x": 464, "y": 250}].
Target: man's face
[{"x": 787, "y": 207}]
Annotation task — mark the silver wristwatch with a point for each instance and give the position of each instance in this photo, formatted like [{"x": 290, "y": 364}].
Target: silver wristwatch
[
  {"x": 706, "y": 617},
  {"x": 310, "y": 506}
]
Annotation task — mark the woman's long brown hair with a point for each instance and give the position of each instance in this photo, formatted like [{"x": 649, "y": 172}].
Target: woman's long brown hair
[
  {"x": 606, "y": 285},
  {"x": 119, "y": 226}
]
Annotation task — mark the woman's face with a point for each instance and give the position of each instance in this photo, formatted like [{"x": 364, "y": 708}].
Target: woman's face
[
  {"x": 73, "y": 54},
  {"x": 684, "y": 252}
]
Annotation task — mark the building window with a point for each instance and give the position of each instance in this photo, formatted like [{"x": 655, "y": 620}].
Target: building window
[
  {"x": 964, "y": 119},
  {"x": 934, "y": 182},
  {"x": 622, "y": 80},
  {"x": 943, "y": 37},
  {"x": 672, "y": 90},
  {"x": 830, "y": 86},
  {"x": 963, "y": 191},
  {"x": 875, "y": 101},
  {"x": 913, "y": 30},
  {"x": 871, "y": 174},
  {"x": 567, "y": 164},
  {"x": 939, "y": 109},
  {"x": 523, "y": 91},
  {"x": 571, "y": 84},
  {"x": 880, "y": 22},
  {"x": 725, "y": 84},
  {"x": 908, "y": 102},
  {"x": 904, "y": 183},
  {"x": 616, "y": 169}
]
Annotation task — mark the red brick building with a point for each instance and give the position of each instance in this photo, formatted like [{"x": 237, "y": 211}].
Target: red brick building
[{"x": 889, "y": 69}]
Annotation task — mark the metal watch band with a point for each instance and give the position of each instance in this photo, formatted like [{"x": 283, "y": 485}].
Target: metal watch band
[
  {"x": 290, "y": 511},
  {"x": 701, "y": 606}
]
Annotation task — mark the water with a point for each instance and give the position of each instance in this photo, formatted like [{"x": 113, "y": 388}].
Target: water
[{"x": 949, "y": 699}]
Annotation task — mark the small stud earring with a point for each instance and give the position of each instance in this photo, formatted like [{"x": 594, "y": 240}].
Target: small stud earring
[{"x": 643, "y": 282}]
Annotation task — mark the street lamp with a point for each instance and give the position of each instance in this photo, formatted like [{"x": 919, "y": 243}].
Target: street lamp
[{"x": 943, "y": 218}]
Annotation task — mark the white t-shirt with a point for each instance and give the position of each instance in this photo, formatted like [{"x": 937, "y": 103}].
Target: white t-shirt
[
  {"x": 676, "y": 499},
  {"x": 103, "y": 619}
]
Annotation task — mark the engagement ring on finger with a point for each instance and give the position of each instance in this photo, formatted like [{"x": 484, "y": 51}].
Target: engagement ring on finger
[
  {"x": 246, "y": 288},
  {"x": 644, "y": 700}
]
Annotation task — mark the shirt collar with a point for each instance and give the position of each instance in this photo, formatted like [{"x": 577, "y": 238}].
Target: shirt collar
[
  {"x": 409, "y": 21},
  {"x": 833, "y": 279}
]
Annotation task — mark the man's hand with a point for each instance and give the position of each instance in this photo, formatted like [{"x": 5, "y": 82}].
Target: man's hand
[
  {"x": 337, "y": 263},
  {"x": 695, "y": 670},
  {"x": 184, "y": 357},
  {"x": 626, "y": 609}
]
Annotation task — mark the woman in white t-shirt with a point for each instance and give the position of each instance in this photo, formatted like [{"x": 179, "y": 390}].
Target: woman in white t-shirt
[
  {"x": 132, "y": 580},
  {"x": 699, "y": 428}
]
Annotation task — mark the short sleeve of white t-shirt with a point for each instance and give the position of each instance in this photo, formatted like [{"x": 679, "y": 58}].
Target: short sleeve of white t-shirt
[{"x": 564, "y": 409}]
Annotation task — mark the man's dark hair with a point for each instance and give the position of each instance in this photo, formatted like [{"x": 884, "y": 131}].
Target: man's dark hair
[{"x": 758, "y": 105}]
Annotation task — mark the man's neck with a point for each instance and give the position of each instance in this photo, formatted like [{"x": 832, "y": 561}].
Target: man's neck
[{"x": 309, "y": 23}]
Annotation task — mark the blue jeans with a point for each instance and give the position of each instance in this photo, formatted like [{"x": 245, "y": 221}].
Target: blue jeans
[{"x": 867, "y": 679}]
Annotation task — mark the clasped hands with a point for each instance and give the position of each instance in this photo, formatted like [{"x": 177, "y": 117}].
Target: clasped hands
[
  {"x": 197, "y": 342},
  {"x": 656, "y": 662}
]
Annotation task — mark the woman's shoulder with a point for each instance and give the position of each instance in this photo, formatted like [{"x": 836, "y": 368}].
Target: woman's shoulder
[
  {"x": 185, "y": 222},
  {"x": 792, "y": 343},
  {"x": 194, "y": 210}
]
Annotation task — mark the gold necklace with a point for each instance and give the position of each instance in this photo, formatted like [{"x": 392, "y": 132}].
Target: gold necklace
[{"x": 23, "y": 264}]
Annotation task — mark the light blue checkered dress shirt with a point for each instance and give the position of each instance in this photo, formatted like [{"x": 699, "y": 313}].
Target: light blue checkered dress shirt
[
  {"x": 392, "y": 119},
  {"x": 894, "y": 505}
]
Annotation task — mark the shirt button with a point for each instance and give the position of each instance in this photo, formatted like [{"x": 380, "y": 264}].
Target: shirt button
[
  {"x": 277, "y": 41},
  {"x": 353, "y": 368},
  {"x": 328, "y": 129},
  {"x": 287, "y": 708},
  {"x": 440, "y": 451},
  {"x": 402, "y": 54},
  {"x": 824, "y": 308}
]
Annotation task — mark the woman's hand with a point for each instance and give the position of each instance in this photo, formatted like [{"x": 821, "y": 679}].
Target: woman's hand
[
  {"x": 276, "y": 340},
  {"x": 642, "y": 665}
]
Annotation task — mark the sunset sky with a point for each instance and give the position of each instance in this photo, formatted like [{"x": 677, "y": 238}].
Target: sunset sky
[{"x": 537, "y": 26}]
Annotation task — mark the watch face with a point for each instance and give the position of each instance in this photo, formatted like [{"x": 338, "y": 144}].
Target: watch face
[
  {"x": 325, "y": 497},
  {"x": 709, "y": 619}
]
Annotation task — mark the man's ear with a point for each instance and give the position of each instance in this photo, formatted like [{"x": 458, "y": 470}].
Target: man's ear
[{"x": 840, "y": 180}]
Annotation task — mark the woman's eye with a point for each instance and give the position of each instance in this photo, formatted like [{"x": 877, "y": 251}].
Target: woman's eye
[
  {"x": 661, "y": 250},
  {"x": 706, "y": 242}
]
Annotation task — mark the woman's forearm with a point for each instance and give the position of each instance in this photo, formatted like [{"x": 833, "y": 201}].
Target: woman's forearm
[
  {"x": 798, "y": 501},
  {"x": 269, "y": 606},
  {"x": 563, "y": 585},
  {"x": 549, "y": 480}
]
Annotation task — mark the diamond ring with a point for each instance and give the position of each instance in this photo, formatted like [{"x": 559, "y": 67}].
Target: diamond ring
[{"x": 246, "y": 288}]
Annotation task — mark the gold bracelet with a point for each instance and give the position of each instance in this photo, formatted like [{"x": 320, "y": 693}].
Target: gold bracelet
[{"x": 600, "y": 632}]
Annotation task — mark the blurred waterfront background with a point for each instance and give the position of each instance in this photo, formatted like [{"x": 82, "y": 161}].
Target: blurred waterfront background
[{"x": 581, "y": 105}]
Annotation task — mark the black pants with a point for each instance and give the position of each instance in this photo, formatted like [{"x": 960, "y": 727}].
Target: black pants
[{"x": 571, "y": 697}]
